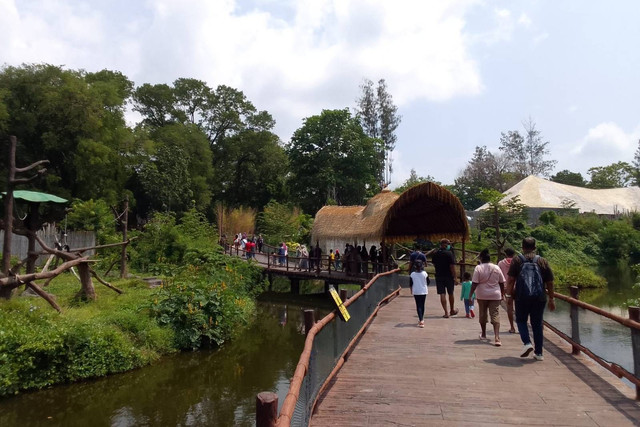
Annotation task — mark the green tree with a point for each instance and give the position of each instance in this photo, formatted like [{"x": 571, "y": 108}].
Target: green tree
[
  {"x": 280, "y": 222},
  {"x": 379, "y": 118},
  {"x": 250, "y": 169},
  {"x": 332, "y": 161},
  {"x": 569, "y": 178},
  {"x": 527, "y": 153},
  {"x": 414, "y": 179},
  {"x": 503, "y": 219},
  {"x": 73, "y": 119},
  {"x": 615, "y": 175}
]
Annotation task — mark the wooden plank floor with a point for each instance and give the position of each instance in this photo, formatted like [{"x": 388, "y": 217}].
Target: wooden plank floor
[{"x": 401, "y": 375}]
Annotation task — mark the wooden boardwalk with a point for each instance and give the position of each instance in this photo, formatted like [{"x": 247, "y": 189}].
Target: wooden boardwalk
[{"x": 401, "y": 375}]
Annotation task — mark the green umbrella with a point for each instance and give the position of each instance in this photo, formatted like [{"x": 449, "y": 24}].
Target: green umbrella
[{"x": 37, "y": 197}]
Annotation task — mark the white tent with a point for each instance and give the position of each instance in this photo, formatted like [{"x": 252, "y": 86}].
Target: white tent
[{"x": 537, "y": 192}]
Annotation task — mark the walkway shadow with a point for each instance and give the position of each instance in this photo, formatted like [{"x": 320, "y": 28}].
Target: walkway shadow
[
  {"x": 511, "y": 361},
  {"x": 406, "y": 325},
  {"x": 626, "y": 406},
  {"x": 474, "y": 341}
]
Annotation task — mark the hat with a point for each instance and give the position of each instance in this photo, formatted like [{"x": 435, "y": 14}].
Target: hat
[{"x": 445, "y": 241}]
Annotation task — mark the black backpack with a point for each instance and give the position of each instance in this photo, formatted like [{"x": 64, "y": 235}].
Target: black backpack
[{"x": 529, "y": 284}]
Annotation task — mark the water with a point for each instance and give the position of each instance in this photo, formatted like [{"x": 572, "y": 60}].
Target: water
[
  {"x": 604, "y": 337},
  {"x": 216, "y": 388}
]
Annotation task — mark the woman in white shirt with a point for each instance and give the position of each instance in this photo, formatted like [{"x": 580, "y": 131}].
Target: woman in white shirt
[
  {"x": 488, "y": 284},
  {"x": 418, "y": 283}
]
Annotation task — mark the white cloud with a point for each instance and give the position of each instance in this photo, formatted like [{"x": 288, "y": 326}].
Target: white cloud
[
  {"x": 293, "y": 66},
  {"x": 604, "y": 144},
  {"x": 540, "y": 38},
  {"x": 524, "y": 20}
]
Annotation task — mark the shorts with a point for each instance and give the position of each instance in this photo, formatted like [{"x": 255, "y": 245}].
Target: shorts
[
  {"x": 444, "y": 284},
  {"x": 493, "y": 307}
]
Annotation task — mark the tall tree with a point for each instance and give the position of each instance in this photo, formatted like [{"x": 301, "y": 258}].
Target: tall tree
[
  {"x": 332, "y": 161},
  {"x": 73, "y": 118},
  {"x": 379, "y": 118},
  {"x": 636, "y": 165},
  {"x": 569, "y": 178},
  {"x": 527, "y": 153}
]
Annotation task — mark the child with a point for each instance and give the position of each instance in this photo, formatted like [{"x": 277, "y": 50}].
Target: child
[
  {"x": 464, "y": 295},
  {"x": 418, "y": 283}
]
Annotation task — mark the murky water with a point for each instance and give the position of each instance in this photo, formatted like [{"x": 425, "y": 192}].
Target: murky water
[{"x": 215, "y": 388}]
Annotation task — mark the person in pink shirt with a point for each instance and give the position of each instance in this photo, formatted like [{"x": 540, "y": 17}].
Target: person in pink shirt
[
  {"x": 488, "y": 284},
  {"x": 504, "y": 265}
]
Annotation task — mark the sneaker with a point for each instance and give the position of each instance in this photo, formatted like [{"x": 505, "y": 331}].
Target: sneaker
[
  {"x": 472, "y": 313},
  {"x": 468, "y": 317},
  {"x": 538, "y": 357},
  {"x": 526, "y": 350}
]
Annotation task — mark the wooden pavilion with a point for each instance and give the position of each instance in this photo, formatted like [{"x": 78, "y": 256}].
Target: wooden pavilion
[{"x": 425, "y": 211}]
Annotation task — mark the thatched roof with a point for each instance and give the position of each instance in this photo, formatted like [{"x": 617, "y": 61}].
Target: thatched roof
[
  {"x": 426, "y": 211},
  {"x": 537, "y": 192}
]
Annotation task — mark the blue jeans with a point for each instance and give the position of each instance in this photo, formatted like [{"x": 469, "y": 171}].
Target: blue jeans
[
  {"x": 534, "y": 310},
  {"x": 420, "y": 300},
  {"x": 468, "y": 305}
]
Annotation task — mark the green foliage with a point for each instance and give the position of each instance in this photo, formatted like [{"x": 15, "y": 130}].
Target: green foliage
[
  {"x": 282, "y": 222},
  {"x": 206, "y": 302},
  {"x": 414, "y": 179},
  {"x": 332, "y": 158},
  {"x": 569, "y": 178},
  {"x": 620, "y": 241},
  {"x": 93, "y": 215},
  {"x": 39, "y": 347},
  {"x": 615, "y": 175}
]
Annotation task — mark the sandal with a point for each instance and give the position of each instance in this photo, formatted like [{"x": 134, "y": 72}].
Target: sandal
[
  {"x": 512, "y": 331},
  {"x": 454, "y": 312},
  {"x": 497, "y": 343},
  {"x": 481, "y": 338},
  {"x": 446, "y": 316}
]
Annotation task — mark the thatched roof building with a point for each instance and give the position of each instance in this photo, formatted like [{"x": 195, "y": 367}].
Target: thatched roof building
[
  {"x": 426, "y": 211},
  {"x": 536, "y": 192}
]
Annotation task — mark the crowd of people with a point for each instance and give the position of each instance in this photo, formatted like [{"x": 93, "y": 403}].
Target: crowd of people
[{"x": 522, "y": 284}]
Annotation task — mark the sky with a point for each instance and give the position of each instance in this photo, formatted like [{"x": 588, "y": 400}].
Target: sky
[{"x": 460, "y": 71}]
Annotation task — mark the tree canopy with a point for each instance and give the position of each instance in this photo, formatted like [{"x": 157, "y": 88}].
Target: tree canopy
[{"x": 332, "y": 161}]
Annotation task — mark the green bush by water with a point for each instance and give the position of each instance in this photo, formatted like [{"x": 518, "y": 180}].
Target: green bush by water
[{"x": 40, "y": 347}]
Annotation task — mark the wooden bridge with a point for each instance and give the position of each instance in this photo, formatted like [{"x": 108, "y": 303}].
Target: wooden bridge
[{"x": 399, "y": 374}]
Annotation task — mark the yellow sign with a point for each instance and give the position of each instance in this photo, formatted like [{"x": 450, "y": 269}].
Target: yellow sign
[{"x": 342, "y": 310}]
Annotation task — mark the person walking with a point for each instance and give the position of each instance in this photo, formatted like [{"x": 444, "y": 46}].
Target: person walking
[
  {"x": 504, "y": 265},
  {"x": 488, "y": 284},
  {"x": 444, "y": 261},
  {"x": 529, "y": 275},
  {"x": 467, "y": 296},
  {"x": 418, "y": 281}
]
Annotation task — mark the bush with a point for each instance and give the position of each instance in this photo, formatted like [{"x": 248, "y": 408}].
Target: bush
[{"x": 39, "y": 347}]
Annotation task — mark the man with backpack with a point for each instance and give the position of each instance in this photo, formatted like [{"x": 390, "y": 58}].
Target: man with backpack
[{"x": 529, "y": 275}]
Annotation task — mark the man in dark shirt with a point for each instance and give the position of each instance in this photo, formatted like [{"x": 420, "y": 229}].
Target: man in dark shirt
[
  {"x": 416, "y": 255},
  {"x": 530, "y": 308},
  {"x": 444, "y": 261}
]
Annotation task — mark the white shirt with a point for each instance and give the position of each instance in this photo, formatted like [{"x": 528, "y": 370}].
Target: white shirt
[{"x": 419, "y": 286}]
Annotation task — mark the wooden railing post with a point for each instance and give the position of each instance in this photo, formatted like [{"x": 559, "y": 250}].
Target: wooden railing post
[
  {"x": 575, "y": 323},
  {"x": 634, "y": 314},
  {"x": 266, "y": 409},
  {"x": 309, "y": 320}
]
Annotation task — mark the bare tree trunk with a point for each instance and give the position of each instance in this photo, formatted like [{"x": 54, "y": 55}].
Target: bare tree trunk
[
  {"x": 87, "y": 291},
  {"x": 8, "y": 211},
  {"x": 125, "y": 224}
]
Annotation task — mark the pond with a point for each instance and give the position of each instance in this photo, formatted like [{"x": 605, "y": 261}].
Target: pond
[{"x": 200, "y": 388}]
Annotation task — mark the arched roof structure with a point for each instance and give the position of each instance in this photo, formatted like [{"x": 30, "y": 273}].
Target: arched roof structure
[{"x": 426, "y": 211}]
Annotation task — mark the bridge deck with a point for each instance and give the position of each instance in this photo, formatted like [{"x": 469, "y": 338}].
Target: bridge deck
[{"x": 443, "y": 374}]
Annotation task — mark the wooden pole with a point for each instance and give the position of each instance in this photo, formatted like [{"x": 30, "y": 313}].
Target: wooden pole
[
  {"x": 634, "y": 314},
  {"x": 8, "y": 209},
  {"x": 575, "y": 323},
  {"x": 266, "y": 409},
  {"x": 123, "y": 253},
  {"x": 309, "y": 320}
]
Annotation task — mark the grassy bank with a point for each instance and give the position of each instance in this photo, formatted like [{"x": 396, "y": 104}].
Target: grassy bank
[{"x": 202, "y": 306}]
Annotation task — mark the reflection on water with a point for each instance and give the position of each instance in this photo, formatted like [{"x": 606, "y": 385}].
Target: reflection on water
[{"x": 201, "y": 388}]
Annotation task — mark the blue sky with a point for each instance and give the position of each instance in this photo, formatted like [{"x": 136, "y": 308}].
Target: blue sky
[{"x": 461, "y": 72}]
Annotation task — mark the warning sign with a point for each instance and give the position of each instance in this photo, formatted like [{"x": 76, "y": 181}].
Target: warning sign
[{"x": 342, "y": 310}]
